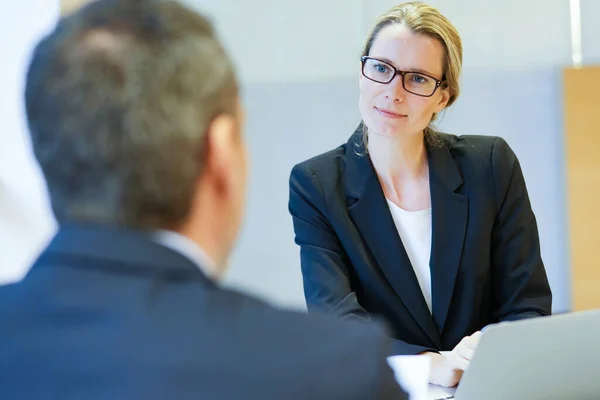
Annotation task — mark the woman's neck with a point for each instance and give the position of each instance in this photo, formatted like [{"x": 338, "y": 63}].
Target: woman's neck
[
  {"x": 399, "y": 158},
  {"x": 402, "y": 170}
]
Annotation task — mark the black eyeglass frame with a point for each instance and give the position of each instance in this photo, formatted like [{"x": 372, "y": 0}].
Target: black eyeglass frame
[{"x": 364, "y": 59}]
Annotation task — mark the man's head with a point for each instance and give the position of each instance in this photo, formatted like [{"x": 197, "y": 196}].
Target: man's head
[{"x": 135, "y": 120}]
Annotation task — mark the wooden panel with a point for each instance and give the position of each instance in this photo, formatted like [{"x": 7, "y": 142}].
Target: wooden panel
[{"x": 582, "y": 141}]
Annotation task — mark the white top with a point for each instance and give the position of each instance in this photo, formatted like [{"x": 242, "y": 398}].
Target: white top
[
  {"x": 414, "y": 228},
  {"x": 187, "y": 248}
]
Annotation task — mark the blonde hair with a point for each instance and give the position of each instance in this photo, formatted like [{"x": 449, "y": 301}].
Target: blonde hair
[{"x": 426, "y": 20}]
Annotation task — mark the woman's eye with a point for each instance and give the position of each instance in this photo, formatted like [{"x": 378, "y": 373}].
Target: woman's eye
[
  {"x": 381, "y": 68},
  {"x": 419, "y": 79}
]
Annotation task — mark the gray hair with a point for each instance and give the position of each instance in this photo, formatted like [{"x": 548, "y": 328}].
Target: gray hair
[{"x": 119, "y": 98}]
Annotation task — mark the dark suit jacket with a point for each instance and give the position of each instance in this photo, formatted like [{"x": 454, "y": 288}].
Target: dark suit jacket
[
  {"x": 109, "y": 314},
  {"x": 485, "y": 257}
]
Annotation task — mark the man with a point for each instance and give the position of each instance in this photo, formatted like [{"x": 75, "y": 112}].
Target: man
[{"x": 135, "y": 120}]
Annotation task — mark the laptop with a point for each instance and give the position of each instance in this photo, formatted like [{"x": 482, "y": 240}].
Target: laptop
[{"x": 555, "y": 357}]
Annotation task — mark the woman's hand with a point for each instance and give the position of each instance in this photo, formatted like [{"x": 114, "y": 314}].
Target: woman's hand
[{"x": 446, "y": 370}]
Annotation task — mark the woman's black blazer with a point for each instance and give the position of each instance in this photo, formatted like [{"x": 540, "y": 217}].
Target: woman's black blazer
[{"x": 485, "y": 257}]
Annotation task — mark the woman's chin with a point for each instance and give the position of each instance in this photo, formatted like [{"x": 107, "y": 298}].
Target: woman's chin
[
  {"x": 388, "y": 130},
  {"x": 392, "y": 130}
]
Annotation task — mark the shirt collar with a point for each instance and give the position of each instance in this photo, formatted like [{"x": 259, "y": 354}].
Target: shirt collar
[{"x": 189, "y": 249}]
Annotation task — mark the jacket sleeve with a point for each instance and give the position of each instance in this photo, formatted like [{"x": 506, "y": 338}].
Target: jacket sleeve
[
  {"x": 326, "y": 269},
  {"x": 521, "y": 288}
]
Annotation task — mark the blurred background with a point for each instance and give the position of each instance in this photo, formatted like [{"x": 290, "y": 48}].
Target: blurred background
[{"x": 299, "y": 65}]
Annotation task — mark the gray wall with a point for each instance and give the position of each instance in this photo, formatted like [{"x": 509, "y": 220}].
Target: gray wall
[{"x": 298, "y": 62}]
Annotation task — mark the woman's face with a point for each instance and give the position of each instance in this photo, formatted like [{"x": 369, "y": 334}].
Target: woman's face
[{"x": 388, "y": 109}]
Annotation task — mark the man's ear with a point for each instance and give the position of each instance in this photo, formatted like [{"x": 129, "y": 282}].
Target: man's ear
[{"x": 221, "y": 145}]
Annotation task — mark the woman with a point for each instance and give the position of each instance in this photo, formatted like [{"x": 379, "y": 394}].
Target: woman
[{"x": 432, "y": 232}]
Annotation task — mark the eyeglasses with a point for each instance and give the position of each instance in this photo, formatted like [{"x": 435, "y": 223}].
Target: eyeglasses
[{"x": 413, "y": 82}]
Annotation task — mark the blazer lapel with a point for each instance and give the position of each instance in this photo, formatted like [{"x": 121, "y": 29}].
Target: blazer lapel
[
  {"x": 449, "y": 223},
  {"x": 369, "y": 211}
]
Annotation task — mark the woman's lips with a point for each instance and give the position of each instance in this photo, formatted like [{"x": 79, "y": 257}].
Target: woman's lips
[{"x": 389, "y": 113}]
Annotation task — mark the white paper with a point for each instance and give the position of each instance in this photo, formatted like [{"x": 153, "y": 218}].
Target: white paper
[{"x": 412, "y": 373}]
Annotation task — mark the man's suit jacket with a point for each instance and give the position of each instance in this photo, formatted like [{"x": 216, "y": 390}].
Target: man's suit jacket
[
  {"x": 110, "y": 314},
  {"x": 485, "y": 258}
]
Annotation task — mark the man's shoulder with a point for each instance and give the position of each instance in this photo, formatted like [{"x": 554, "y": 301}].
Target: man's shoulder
[
  {"x": 206, "y": 326},
  {"x": 288, "y": 321},
  {"x": 314, "y": 345},
  {"x": 308, "y": 332}
]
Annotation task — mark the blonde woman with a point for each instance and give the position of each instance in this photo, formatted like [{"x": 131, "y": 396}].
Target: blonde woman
[{"x": 432, "y": 232}]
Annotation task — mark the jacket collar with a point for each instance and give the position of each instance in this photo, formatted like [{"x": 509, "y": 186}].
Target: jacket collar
[{"x": 129, "y": 251}]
